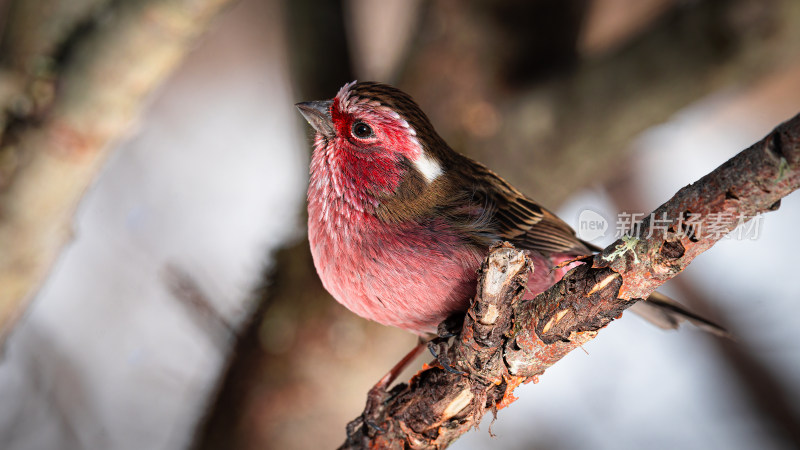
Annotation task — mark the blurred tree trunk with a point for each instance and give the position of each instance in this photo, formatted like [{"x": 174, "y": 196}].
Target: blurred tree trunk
[{"x": 80, "y": 74}]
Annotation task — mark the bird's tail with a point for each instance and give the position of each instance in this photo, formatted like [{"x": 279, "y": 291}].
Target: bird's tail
[{"x": 668, "y": 314}]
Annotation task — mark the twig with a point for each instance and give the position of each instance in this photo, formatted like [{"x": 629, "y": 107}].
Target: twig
[
  {"x": 524, "y": 338},
  {"x": 199, "y": 306}
]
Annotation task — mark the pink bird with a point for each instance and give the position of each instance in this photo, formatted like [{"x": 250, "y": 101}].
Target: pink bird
[{"x": 399, "y": 223}]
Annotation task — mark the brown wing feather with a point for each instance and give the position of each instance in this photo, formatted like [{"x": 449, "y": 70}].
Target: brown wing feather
[
  {"x": 527, "y": 225},
  {"x": 517, "y": 218}
]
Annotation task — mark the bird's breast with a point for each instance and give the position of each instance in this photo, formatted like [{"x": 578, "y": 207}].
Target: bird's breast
[{"x": 409, "y": 275}]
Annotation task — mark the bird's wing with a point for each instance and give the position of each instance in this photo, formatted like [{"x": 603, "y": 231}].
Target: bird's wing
[
  {"x": 512, "y": 216},
  {"x": 516, "y": 218}
]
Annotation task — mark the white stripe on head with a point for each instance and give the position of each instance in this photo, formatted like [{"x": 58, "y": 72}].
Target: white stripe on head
[{"x": 428, "y": 167}]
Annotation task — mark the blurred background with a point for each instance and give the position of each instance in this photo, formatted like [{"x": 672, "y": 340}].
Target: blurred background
[{"x": 180, "y": 307}]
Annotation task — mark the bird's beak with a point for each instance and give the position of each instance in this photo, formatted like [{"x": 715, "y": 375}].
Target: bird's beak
[{"x": 318, "y": 114}]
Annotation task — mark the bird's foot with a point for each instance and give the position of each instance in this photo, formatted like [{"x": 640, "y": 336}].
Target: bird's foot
[
  {"x": 438, "y": 349},
  {"x": 439, "y": 345}
]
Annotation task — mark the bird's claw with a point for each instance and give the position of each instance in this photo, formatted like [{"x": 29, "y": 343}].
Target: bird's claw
[
  {"x": 374, "y": 426},
  {"x": 442, "y": 357}
]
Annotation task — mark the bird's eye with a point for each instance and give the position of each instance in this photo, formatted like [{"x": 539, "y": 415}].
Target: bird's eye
[{"x": 362, "y": 130}]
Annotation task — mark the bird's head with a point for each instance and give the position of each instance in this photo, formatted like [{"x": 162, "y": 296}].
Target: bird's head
[{"x": 374, "y": 137}]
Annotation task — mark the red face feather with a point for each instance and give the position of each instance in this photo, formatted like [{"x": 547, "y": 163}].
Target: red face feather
[{"x": 369, "y": 162}]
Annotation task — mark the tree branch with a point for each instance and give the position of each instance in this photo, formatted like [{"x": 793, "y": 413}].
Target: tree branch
[{"x": 505, "y": 342}]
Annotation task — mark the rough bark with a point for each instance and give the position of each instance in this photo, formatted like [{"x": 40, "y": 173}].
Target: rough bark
[
  {"x": 49, "y": 161},
  {"x": 505, "y": 342}
]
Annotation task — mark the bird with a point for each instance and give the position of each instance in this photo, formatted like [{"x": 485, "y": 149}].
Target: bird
[{"x": 399, "y": 222}]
